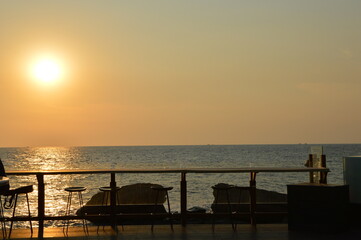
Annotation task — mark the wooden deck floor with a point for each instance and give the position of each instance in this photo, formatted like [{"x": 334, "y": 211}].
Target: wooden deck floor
[{"x": 193, "y": 231}]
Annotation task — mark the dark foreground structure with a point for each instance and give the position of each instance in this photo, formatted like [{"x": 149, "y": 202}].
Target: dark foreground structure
[
  {"x": 184, "y": 229},
  {"x": 194, "y": 231}
]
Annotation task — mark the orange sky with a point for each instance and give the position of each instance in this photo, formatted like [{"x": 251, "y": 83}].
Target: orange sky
[{"x": 164, "y": 73}]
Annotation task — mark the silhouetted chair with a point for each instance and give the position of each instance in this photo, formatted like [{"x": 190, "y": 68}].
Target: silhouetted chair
[
  {"x": 3, "y": 189},
  {"x": 159, "y": 191},
  {"x": 11, "y": 201},
  {"x": 2, "y": 219},
  {"x": 233, "y": 208}
]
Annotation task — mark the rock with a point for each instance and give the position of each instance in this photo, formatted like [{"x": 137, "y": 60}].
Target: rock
[
  {"x": 267, "y": 201},
  {"x": 196, "y": 209},
  {"x": 261, "y": 195},
  {"x": 139, "y": 193}
]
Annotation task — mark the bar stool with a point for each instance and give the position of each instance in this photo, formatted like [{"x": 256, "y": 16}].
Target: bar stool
[
  {"x": 218, "y": 189},
  {"x": 106, "y": 196},
  {"x": 160, "y": 189},
  {"x": 11, "y": 203},
  {"x": 240, "y": 190},
  {"x": 77, "y": 190}
]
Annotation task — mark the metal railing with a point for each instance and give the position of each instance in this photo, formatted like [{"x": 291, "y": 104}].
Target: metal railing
[{"x": 183, "y": 187}]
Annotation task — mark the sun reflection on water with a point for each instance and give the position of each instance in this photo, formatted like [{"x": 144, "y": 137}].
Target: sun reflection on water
[{"x": 49, "y": 158}]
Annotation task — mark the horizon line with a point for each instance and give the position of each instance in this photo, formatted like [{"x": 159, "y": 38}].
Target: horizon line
[{"x": 164, "y": 145}]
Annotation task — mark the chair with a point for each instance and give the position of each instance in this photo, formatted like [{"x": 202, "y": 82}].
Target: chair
[
  {"x": 11, "y": 201},
  {"x": 159, "y": 190},
  {"x": 232, "y": 210},
  {"x": 3, "y": 189},
  {"x": 2, "y": 217}
]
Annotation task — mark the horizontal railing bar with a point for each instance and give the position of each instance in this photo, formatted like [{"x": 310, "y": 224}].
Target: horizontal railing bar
[
  {"x": 136, "y": 215},
  {"x": 183, "y": 170}
]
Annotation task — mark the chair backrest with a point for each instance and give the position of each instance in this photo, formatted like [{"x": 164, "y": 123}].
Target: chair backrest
[
  {"x": 2, "y": 169},
  {"x": 3, "y": 188}
]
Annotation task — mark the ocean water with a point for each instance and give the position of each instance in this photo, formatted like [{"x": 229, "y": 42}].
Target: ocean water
[{"x": 154, "y": 157}]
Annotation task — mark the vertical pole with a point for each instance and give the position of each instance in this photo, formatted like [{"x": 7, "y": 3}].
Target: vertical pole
[
  {"x": 323, "y": 175},
  {"x": 253, "y": 193},
  {"x": 113, "y": 201},
  {"x": 183, "y": 197},
  {"x": 41, "y": 204},
  {"x": 310, "y": 164}
]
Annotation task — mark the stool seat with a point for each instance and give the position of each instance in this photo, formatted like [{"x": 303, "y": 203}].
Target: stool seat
[
  {"x": 160, "y": 188},
  {"x": 75, "y": 189},
  {"x": 223, "y": 187},
  {"x": 242, "y": 188},
  {"x": 107, "y": 189}
]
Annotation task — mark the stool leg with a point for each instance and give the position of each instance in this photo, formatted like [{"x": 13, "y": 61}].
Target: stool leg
[
  {"x": 154, "y": 210},
  {"x": 230, "y": 209},
  {"x": 252, "y": 219},
  {"x": 238, "y": 207},
  {"x": 118, "y": 203},
  {"x": 67, "y": 212},
  {"x": 118, "y": 198},
  {"x": 85, "y": 225},
  {"x": 29, "y": 214},
  {"x": 12, "y": 219},
  {"x": 106, "y": 198},
  {"x": 3, "y": 225},
  {"x": 169, "y": 212},
  {"x": 215, "y": 207},
  {"x": 104, "y": 203}
]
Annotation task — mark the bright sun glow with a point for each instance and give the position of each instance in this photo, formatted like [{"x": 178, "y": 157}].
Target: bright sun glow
[{"x": 47, "y": 70}]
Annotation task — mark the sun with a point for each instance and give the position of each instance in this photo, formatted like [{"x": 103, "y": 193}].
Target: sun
[{"x": 47, "y": 70}]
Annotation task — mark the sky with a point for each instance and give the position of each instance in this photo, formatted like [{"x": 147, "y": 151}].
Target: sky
[{"x": 181, "y": 72}]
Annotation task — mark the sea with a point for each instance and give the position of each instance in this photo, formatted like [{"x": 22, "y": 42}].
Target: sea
[{"x": 199, "y": 190}]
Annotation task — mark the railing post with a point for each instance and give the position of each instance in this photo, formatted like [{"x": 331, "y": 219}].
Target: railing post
[
  {"x": 41, "y": 204},
  {"x": 323, "y": 175},
  {"x": 253, "y": 195},
  {"x": 183, "y": 197},
  {"x": 113, "y": 201},
  {"x": 310, "y": 164}
]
